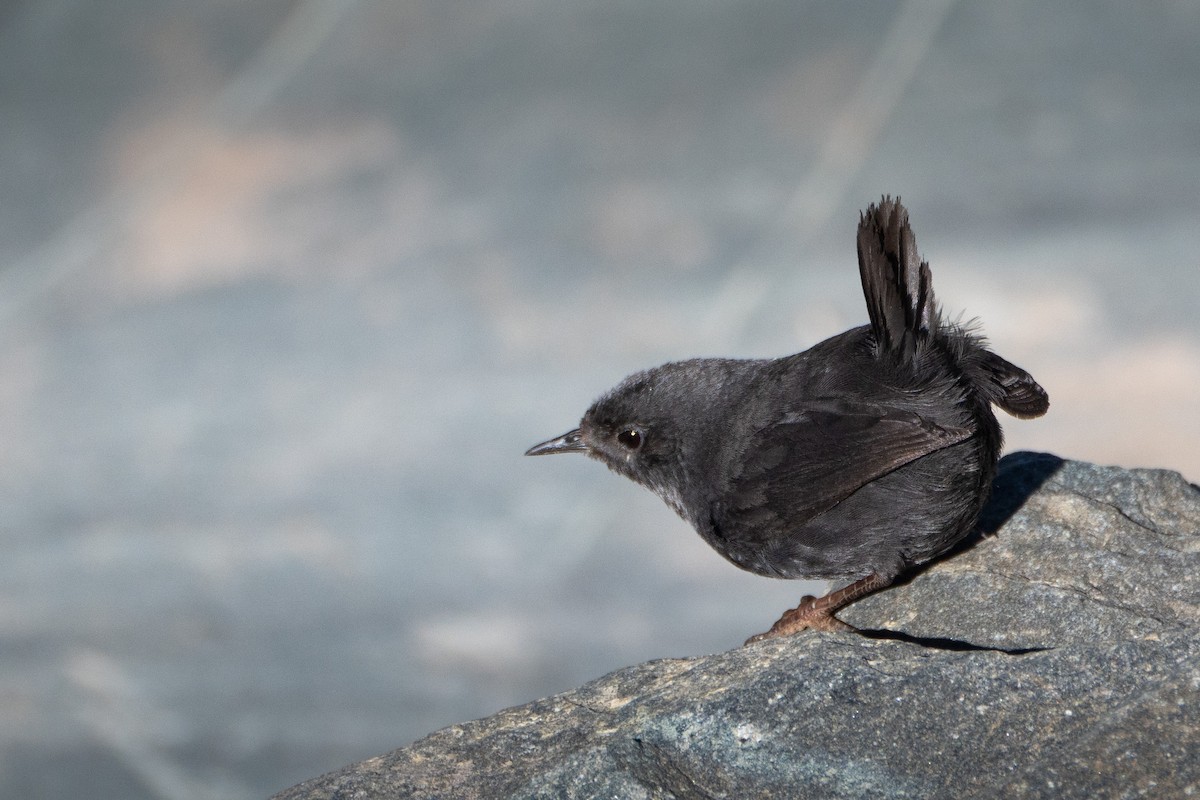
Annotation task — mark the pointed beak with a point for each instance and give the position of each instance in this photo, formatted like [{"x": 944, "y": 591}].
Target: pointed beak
[{"x": 571, "y": 442}]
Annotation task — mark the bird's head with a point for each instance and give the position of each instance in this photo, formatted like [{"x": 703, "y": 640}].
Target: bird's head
[{"x": 645, "y": 429}]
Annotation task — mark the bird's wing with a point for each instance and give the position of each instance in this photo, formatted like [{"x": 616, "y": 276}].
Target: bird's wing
[{"x": 820, "y": 453}]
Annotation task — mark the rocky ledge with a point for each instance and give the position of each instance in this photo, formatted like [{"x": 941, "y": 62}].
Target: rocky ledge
[{"x": 1055, "y": 656}]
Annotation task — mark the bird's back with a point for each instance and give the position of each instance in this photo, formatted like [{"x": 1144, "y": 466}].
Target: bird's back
[{"x": 874, "y": 450}]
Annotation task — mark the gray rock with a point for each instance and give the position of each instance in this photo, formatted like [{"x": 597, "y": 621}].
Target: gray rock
[{"x": 1056, "y": 656}]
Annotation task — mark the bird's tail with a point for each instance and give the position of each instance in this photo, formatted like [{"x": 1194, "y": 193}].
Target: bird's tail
[
  {"x": 905, "y": 318},
  {"x": 897, "y": 284},
  {"x": 1012, "y": 388}
]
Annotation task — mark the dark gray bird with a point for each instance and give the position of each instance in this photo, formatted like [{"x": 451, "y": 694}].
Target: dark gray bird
[{"x": 858, "y": 459}]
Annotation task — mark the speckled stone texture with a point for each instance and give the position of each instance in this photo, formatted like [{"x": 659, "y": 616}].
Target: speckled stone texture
[{"x": 1055, "y": 656}]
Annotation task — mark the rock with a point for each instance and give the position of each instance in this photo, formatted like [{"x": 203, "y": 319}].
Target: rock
[{"x": 1056, "y": 656}]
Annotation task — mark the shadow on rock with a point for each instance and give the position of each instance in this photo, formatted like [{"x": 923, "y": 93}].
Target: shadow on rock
[
  {"x": 941, "y": 643},
  {"x": 1018, "y": 477}
]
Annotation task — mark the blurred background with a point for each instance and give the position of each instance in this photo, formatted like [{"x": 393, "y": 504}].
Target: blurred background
[{"x": 286, "y": 289}]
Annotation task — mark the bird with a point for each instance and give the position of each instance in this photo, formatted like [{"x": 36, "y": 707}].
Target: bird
[{"x": 855, "y": 461}]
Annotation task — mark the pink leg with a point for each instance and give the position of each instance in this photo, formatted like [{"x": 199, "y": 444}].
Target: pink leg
[{"x": 817, "y": 613}]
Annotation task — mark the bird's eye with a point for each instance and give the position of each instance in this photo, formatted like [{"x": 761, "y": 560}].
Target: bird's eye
[{"x": 631, "y": 438}]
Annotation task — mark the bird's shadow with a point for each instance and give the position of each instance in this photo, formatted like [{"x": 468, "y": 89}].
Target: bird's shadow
[
  {"x": 942, "y": 643},
  {"x": 1018, "y": 476}
]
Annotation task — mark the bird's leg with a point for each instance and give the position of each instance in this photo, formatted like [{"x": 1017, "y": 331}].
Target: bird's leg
[{"x": 817, "y": 613}]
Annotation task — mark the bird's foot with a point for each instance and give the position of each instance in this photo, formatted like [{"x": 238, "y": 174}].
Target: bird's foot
[{"x": 809, "y": 615}]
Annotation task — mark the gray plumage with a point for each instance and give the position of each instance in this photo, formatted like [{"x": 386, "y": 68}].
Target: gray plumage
[{"x": 868, "y": 454}]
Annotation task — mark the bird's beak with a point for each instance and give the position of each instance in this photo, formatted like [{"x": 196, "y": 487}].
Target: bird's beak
[{"x": 571, "y": 442}]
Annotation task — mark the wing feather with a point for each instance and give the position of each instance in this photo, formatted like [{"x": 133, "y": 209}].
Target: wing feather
[{"x": 815, "y": 456}]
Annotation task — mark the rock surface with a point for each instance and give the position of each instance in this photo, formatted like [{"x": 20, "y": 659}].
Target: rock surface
[{"x": 1055, "y": 656}]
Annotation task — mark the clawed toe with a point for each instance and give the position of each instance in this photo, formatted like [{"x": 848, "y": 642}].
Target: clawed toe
[
  {"x": 817, "y": 613},
  {"x": 804, "y": 617}
]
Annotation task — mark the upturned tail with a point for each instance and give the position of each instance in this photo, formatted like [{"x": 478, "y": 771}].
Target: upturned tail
[
  {"x": 904, "y": 315},
  {"x": 896, "y": 283}
]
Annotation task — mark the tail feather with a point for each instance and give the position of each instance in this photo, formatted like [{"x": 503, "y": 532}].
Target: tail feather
[
  {"x": 897, "y": 285},
  {"x": 905, "y": 317},
  {"x": 1012, "y": 388}
]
